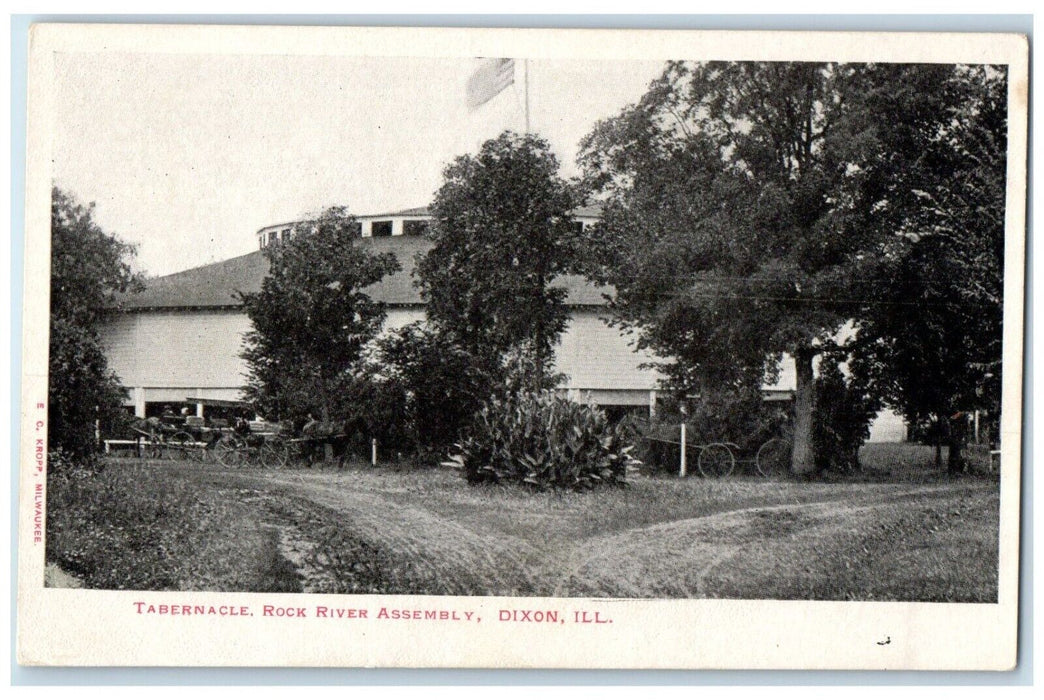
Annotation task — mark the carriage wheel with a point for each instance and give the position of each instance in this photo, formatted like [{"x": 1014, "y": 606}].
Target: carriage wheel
[
  {"x": 181, "y": 445},
  {"x": 773, "y": 458},
  {"x": 716, "y": 461},
  {"x": 229, "y": 451},
  {"x": 273, "y": 454}
]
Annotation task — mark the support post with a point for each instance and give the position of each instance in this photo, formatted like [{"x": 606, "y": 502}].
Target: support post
[
  {"x": 373, "y": 452},
  {"x": 139, "y": 401},
  {"x": 525, "y": 63},
  {"x": 652, "y": 404},
  {"x": 684, "y": 466}
]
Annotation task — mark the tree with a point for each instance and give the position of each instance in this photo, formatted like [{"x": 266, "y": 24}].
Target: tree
[
  {"x": 751, "y": 208},
  {"x": 931, "y": 347},
  {"x": 311, "y": 318},
  {"x": 502, "y": 232},
  {"x": 89, "y": 267},
  {"x": 437, "y": 383},
  {"x": 845, "y": 405}
]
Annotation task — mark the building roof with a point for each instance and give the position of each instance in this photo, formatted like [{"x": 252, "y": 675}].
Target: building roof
[
  {"x": 415, "y": 211},
  {"x": 217, "y": 285},
  {"x": 589, "y": 211}
]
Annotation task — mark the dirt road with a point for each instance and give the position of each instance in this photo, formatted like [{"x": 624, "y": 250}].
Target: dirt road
[{"x": 661, "y": 538}]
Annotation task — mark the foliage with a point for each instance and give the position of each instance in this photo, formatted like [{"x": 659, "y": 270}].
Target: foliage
[
  {"x": 89, "y": 268},
  {"x": 373, "y": 409},
  {"x": 437, "y": 386},
  {"x": 521, "y": 369},
  {"x": 741, "y": 417},
  {"x": 931, "y": 346},
  {"x": 543, "y": 440},
  {"x": 844, "y": 409},
  {"x": 312, "y": 318},
  {"x": 502, "y": 233},
  {"x": 112, "y": 535},
  {"x": 751, "y": 210},
  {"x": 140, "y": 528}
]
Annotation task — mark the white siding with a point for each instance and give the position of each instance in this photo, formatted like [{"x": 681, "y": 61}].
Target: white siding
[
  {"x": 182, "y": 349},
  {"x": 175, "y": 354},
  {"x": 399, "y": 317},
  {"x": 595, "y": 356}
]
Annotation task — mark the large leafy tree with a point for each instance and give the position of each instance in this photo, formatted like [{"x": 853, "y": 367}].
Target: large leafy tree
[
  {"x": 502, "y": 232},
  {"x": 312, "y": 318},
  {"x": 89, "y": 267},
  {"x": 751, "y": 210},
  {"x": 436, "y": 383},
  {"x": 932, "y": 347}
]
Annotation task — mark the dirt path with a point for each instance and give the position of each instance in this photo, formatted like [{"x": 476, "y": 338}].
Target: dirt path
[
  {"x": 673, "y": 558},
  {"x": 643, "y": 561},
  {"x": 461, "y": 559}
]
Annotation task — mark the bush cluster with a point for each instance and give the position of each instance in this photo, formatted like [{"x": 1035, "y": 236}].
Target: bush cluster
[
  {"x": 543, "y": 440},
  {"x": 414, "y": 388},
  {"x": 844, "y": 409}
]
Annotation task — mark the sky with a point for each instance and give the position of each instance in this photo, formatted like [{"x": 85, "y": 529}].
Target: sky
[{"x": 187, "y": 156}]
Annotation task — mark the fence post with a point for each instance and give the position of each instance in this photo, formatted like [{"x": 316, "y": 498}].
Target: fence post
[
  {"x": 373, "y": 452},
  {"x": 683, "y": 451}
]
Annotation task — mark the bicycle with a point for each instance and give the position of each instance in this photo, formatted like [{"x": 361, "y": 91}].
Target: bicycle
[{"x": 771, "y": 460}]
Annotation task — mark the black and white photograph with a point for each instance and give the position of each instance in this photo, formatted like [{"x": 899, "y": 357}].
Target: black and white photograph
[{"x": 390, "y": 334}]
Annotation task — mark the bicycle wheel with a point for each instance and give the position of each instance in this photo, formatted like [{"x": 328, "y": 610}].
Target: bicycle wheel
[
  {"x": 716, "y": 461},
  {"x": 229, "y": 451},
  {"x": 273, "y": 454},
  {"x": 181, "y": 445},
  {"x": 773, "y": 458}
]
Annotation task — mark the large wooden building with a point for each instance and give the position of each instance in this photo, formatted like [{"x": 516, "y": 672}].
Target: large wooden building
[{"x": 179, "y": 341}]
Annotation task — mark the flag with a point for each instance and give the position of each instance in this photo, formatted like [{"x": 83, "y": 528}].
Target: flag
[{"x": 489, "y": 80}]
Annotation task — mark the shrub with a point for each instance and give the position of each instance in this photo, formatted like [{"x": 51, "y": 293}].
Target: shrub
[
  {"x": 419, "y": 386},
  {"x": 543, "y": 440},
  {"x": 844, "y": 409}
]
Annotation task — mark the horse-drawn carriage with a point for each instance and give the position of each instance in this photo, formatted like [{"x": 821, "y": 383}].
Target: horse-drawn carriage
[
  {"x": 175, "y": 437},
  {"x": 237, "y": 441}
]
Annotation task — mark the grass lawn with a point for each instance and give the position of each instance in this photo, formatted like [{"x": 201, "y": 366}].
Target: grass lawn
[{"x": 899, "y": 532}]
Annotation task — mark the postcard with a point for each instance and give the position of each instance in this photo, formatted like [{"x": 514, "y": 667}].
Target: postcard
[{"x": 522, "y": 348}]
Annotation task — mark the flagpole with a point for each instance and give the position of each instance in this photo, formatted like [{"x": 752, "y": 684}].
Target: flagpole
[{"x": 525, "y": 61}]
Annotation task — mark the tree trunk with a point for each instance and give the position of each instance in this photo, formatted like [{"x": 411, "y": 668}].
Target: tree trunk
[
  {"x": 803, "y": 459},
  {"x": 324, "y": 412},
  {"x": 538, "y": 380},
  {"x": 955, "y": 461}
]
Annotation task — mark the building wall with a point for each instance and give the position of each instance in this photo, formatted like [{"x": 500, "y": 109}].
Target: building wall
[
  {"x": 595, "y": 356},
  {"x": 167, "y": 356},
  {"x": 177, "y": 349}
]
